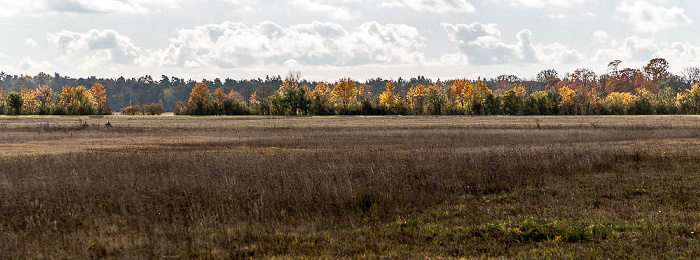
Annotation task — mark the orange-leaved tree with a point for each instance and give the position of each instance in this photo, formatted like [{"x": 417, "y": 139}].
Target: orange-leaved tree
[
  {"x": 461, "y": 92},
  {"x": 200, "y": 100},
  {"x": 99, "y": 93}
]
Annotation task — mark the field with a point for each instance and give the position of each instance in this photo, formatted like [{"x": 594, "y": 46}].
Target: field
[{"x": 349, "y": 187}]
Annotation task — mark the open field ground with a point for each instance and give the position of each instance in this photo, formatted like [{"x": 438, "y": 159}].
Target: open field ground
[{"x": 349, "y": 187}]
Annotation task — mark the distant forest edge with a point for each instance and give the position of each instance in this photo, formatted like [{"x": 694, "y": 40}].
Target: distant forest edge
[{"x": 649, "y": 90}]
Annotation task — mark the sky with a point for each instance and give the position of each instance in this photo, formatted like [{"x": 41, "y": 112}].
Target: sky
[{"x": 332, "y": 39}]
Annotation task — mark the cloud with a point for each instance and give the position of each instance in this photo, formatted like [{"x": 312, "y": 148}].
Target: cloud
[
  {"x": 434, "y": 6},
  {"x": 640, "y": 50},
  {"x": 28, "y": 64},
  {"x": 558, "y": 53},
  {"x": 333, "y": 11},
  {"x": 95, "y": 47},
  {"x": 229, "y": 45},
  {"x": 483, "y": 46},
  {"x": 647, "y": 17},
  {"x": 601, "y": 37},
  {"x": 556, "y": 16},
  {"x": 30, "y": 42},
  {"x": 43, "y": 7},
  {"x": 541, "y": 3}
]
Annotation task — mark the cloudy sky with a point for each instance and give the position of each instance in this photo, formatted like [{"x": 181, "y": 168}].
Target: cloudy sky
[{"x": 326, "y": 40}]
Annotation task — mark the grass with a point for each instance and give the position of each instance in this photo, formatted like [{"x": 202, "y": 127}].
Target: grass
[{"x": 350, "y": 187}]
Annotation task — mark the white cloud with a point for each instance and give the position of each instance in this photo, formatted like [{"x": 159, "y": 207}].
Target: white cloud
[
  {"x": 43, "y": 7},
  {"x": 556, "y": 16},
  {"x": 483, "y": 46},
  {"x": 644, "y": 16},
  {"x": 638, "y": 50},
  {"x": 601, "y": 37},
  {"x": 30, "y": 42},
  {"x": 94, "y": 48},
  {"x": 435, "y": 6},
  {"x": 229, "y": 45},
  {"x": 558, "y": 53},
  {"x": 28, "y": 64},
  {"x": 333, "y": 11},
  {"x": 542, "y": 3}
]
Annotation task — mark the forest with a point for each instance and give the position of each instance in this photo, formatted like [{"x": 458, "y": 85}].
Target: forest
[{"x": 650, "y": 90}]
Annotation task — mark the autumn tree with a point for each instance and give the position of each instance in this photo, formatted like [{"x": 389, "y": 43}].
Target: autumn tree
[
  {"x": 461, "y": 92},
  {"x": 322, "y": 88},
  {"x": 200, "y": 100},
  {"x": 689, "y": 102},
  {"x": 583, "y": 81},
  {"x": 619, "y": 103},
  {"x": 625, "y": 81},
  {"x": 546, "y": 75},
  {"x": 99, "y": 92},
  {"x": 76, "y": 101},
  {"x": 389, "y": 99},
  {"x": 568, "y": 102},
  {"x": 28, "y": 96},
  {"x": 344, "y": 92},
  {"x": 291, "y": 99},
  {"x": 86, "y": 104},
  {"x": 478, "y": 98},
  {"x": 656, "y": 71},
  {"x": 503, "y": 82},
  {"x": 219, "y": 99},
  {"x": 66, "y": 100},
  {"x": 416, "y": 97},
  {"x": 513, "y": 100},
  {"x": 44, "y": 97},
  {"x": 321, "y": 100},
  {"x": 436, "y": 99}
]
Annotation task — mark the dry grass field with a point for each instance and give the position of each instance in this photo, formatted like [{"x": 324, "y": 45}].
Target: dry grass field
[{"x": 349, "y": 187}]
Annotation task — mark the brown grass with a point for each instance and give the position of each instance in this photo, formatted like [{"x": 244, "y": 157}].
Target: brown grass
[{"x": 349, "y": 187}]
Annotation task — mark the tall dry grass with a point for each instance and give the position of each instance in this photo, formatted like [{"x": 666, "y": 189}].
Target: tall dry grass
[{"x": 239, "y": 191}]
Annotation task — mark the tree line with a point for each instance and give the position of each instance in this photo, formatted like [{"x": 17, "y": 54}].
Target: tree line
[
  {"x": 651, "y": 89},
  {"x": 44, "y": 101},
  {"x": 646, "y": 91}
]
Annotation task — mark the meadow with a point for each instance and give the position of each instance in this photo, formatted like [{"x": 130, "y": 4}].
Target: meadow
[{"x": 397, "y": 187}]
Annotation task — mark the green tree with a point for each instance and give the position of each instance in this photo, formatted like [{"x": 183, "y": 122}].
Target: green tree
[{"x": 14, "y": 102}]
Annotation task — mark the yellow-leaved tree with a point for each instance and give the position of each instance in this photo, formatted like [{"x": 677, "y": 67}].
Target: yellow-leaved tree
[
  {"x": 417, "y": 98},
  {"x": 388, "y": 99},
  {"x": 461, "y": 92},
  {"x": 344, "y": 92},
  {"x": 321, "y": 88},
  {"x": 28, "y": 96},
  {"x": 44, "y": 97},
  {"x": 619, "y": 102},
  {"x": 479, "y": 91},
  {"x": 567, "y": 100},
  {"x": 689, "y": 102}
]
